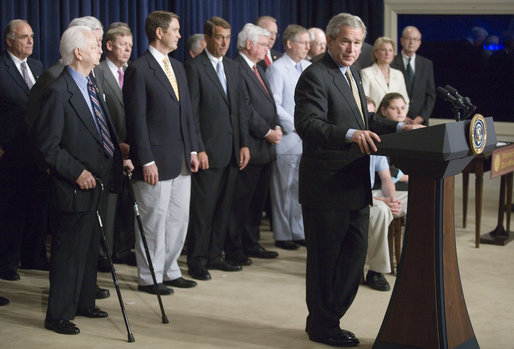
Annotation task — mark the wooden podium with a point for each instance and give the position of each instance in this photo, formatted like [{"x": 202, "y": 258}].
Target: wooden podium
[{"x": 427, "y": 307}]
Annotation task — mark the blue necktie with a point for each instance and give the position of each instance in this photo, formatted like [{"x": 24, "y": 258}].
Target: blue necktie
[
  {"x": 221, "y": 76},
  {"x": 299, "y": 68},
  {"x": 100, "y": 120}
]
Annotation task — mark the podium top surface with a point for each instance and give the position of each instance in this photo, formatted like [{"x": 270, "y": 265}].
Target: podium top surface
[{"x": 443, "y": 142}]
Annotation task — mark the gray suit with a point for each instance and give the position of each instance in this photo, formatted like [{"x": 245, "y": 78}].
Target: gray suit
[
  {"x": 119, "y": 227},
  {"x": 113, "y": 97},
  {"x": 422, "y": 91},
  {"x": 287, "y": 212}
]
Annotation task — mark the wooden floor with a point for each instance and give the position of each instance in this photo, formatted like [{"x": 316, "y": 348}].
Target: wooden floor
[{"x": 264, "y": 305}]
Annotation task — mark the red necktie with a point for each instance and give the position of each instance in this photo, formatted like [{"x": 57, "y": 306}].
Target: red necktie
[
  {"x": 260, "y": 78},
  {"x": 267, "y": 60}
]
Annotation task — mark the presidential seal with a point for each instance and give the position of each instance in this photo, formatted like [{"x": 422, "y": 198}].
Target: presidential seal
[{"x": 477, "y": 134}]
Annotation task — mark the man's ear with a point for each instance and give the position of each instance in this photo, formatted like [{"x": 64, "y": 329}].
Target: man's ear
[
  {"x": 158, "y": 33},
  {"x": 108, "y": 45},
  {"x": 76, "y": 53}
]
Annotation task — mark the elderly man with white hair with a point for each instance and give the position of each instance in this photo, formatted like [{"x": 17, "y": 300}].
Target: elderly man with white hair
[
  {"x": 264, "y": 132},
  {"x": 79, "y": 144}
]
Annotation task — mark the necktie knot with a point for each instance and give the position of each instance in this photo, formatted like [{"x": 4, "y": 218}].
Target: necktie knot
[{"x": 298, "y": 67}]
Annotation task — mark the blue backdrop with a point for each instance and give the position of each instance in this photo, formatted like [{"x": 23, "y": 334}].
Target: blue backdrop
[{"x": 49, "y": 18}]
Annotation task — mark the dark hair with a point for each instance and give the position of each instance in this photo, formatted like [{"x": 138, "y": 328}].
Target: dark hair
[
  {"x": 386, "y": 101},
  {"x": 158, "y": 19},
  {"x": 215, "y": 21}
]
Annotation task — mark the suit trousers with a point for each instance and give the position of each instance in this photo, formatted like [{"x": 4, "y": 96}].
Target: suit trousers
[
  {"x": 246, "y": 214},
  {"x": 75, "y": 241},
  {"x": 336, "y": 252},
  {"x": 380, "y": 216},
  {"x": 164, "y": 212},
  {"x": 286, "y": 209},
  {"x": 211, "y": 201},
  {"x": 119, "y": 223}
]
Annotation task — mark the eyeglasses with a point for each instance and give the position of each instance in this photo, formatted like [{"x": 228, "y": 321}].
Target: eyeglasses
[{"x": 411, "y": 39}]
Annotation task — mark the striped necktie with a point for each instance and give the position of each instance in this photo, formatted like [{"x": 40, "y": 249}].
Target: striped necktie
[
  {"x": 259, "y": 77},
  {"x": 25, "y": 74},
  {"x": 171, "y": 77},
  {"x": 101, "y": 122},
  {"x": 355, "y": 92}
]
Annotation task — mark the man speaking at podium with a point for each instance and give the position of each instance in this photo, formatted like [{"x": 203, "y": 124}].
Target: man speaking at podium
[{"x": 334, "y": 187}]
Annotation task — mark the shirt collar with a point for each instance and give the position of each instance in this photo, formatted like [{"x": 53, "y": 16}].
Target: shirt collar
[{"x": 247, "y": 60}]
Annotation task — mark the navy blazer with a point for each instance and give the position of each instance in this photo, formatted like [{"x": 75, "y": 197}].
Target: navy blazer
[
  {"x": 221, "y": 123},
  {"x": 69, "y": 141},
  {"x": 14, "y": 95},
  {"x": 159, "y": 127},
  {"x": 332, "y": 175},
  {"x": 261, "y": 112}
]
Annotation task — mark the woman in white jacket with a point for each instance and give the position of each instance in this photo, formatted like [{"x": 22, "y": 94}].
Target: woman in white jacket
[{"x": 380, "y": 79}]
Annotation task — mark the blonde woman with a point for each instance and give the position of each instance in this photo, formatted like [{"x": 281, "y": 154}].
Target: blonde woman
[{"x": 380, "y": 78}]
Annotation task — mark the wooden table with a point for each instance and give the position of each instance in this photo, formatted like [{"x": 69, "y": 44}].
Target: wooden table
[{"x": 479, "y": 165}]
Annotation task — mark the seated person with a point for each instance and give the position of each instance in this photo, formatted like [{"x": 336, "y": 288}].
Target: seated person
[
  {"x": 385, "y": 207},
  {"x": 394, "y": 107}
]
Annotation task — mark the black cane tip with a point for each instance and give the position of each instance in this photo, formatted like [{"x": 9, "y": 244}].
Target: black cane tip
[
  {"x": 131, "y": 338},
  {"x": 165, "y": 319}
]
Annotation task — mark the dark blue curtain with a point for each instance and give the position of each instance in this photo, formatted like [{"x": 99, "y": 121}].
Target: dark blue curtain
[{"x": 49, "y": 18}]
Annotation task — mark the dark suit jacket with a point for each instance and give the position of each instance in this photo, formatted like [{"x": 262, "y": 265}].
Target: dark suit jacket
[
  {"x": 332, "y": 176},
  {"x": 261, "y": 112},
  {"x": 14, "y": 95},
  {"x": 274, "y": 56},
  {"x": 422, "y": 92},
  {"x": 159, "y": 127},
  {"x": 70, "y": 142},
  {"x": 113, "y": 97},
  {"x": 221, "y": 124}
]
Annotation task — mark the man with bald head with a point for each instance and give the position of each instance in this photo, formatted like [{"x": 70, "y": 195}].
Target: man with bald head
[
  {"x": 18, "y": 73},
  {"x": 270, "y": 24},
  {"x": 418, "y": 72},
  {"x": 318, "y": 44}
]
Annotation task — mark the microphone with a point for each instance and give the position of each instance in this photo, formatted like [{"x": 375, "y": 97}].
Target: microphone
[
  {"x": 447, "y": 96},
  {"x": 466, "y": 101},
  {"x": 471, "y": 106},
  {"x": 456, "y": 94}
]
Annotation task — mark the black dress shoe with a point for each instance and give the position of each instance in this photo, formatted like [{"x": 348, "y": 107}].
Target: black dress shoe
[
  {"x": 163, "y": 290},
  {"x": 239, "y": 259},
  {"x": 286, "y": 244},
  {"x": 180, "y": 283},
  {"x": 101, "y": 293},
  {"x": 300, "y": 242},
  {"x": 261, "y": 252},
  {"x": 62, "y": 326},
  {"x": 92, "y": 312},
  {"x": 342, "y": 339},
  {"x": 224, "y": 265},
  {"x": 3, "y": 301},
  {"x": 199, "y": 273},
  {"x": 377, "y": 281},
  {"x": 103, "y": 265},
  {"x": 10, "y": 275}
]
